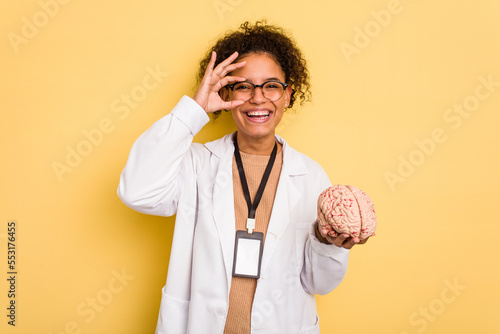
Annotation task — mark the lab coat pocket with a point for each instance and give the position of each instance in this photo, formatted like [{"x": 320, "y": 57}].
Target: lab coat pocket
[
  {"x": 311, "y": 330},
  {"x": 173, "y": 316}
]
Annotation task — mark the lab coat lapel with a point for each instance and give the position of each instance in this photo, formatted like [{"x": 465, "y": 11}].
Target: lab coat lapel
[
  {"x": 223, "y": 198},
  {"x": 287, "y": 197}
]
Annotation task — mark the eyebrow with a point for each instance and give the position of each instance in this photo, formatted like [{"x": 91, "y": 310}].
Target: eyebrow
[{"x": 270, "y": 79}]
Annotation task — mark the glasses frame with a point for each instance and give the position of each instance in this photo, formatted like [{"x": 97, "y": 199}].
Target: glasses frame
[{"x": 285, "y": 85}]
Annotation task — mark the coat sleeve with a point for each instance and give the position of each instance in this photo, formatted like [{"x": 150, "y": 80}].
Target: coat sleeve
[
  {"x": 324, "y": 265},
  {"x": 152, "y": 178}
]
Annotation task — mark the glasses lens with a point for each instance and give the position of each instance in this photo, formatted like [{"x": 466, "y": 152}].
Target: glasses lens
[
  {"x": 273, "y": 90},
  {"x": 243, "y": 91}
]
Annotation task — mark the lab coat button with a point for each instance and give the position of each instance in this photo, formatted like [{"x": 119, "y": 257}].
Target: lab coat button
[{"x": 221, "y": 311}]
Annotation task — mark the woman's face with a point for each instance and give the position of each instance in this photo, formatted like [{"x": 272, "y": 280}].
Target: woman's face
[{"x": 258, "y": 117}]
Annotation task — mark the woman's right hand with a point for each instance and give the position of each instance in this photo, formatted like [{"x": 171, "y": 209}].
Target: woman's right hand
[{"x": 207, "y": 95}]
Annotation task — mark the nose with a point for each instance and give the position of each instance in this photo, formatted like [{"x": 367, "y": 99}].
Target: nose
[{"x": 258, "y": 96}]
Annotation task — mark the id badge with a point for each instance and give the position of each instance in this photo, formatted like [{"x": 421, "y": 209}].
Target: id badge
[{"x": 247, "y": 254}]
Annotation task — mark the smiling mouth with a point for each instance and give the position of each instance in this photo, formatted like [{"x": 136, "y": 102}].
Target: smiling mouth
[{"x": 260, "y": 114}]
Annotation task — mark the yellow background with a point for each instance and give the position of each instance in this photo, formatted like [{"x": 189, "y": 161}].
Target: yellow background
[{"x": 438, "y": 224}]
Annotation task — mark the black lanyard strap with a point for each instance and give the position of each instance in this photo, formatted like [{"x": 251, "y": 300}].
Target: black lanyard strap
[{"x": 253, "y": 207}]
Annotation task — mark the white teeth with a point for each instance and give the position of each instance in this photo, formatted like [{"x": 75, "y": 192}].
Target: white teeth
[{"x": 258, "y": 113}]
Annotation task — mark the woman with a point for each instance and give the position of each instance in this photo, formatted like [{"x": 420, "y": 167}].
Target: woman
[{"x": 254, "y": 73}]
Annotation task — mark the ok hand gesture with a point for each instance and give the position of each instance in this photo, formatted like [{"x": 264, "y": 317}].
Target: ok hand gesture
[{"x": 207, "y": 95}]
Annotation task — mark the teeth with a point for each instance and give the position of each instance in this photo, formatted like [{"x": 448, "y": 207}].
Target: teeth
[{"x": 258, "y": 113}]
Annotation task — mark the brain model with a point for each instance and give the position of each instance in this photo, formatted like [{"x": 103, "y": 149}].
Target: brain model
[{"x": 346, "y": 209}]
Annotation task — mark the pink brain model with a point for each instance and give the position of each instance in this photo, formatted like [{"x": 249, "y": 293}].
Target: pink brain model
[{"x": 346, "y": 209}]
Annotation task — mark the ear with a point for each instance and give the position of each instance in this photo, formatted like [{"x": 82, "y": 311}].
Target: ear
[{"x": 288, "y": 96}]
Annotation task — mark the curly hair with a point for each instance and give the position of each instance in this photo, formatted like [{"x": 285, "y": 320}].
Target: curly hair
[{"x": 264, "y": 38}]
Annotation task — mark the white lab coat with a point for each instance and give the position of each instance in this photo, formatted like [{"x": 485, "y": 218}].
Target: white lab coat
[{"x": 167, "y": 174}]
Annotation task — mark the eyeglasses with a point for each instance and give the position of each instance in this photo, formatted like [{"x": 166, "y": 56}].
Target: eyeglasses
[{"x": 272, "y": 90}]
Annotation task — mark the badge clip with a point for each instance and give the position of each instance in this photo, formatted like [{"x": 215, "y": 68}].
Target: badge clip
[{"x": 250, "y": 225}]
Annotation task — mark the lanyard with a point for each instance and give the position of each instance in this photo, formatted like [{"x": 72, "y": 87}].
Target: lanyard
[{"x": 252, "y": 207}]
